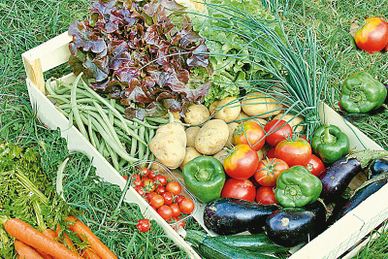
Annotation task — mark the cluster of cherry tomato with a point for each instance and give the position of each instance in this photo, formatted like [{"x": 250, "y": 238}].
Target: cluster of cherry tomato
[
  {"x": 163, "y": 195},
  {"x": 253, "y": 179}
]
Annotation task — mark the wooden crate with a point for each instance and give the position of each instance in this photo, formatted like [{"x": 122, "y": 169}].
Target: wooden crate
[{"x": 335, "y": 242}]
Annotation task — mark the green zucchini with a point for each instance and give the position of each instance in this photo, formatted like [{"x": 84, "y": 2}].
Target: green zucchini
[{"x": 211, "y": 248}]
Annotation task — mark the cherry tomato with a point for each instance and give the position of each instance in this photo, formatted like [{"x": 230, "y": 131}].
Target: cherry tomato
[
  {"x": 140, "y": 190},
  {"x": 150, "y": 195},
  {"x": 136, "y": 180},
  {"x": 268, "y": 171},
  {"x": 242, "y": 162},
  {"x": 277, "y": 130},
  {"x": 186, "y": 206},
  {"x": 293, "y": 152},
  {"x": 265, "y": 195},
  {"x": 240, "y": 189},
  {"x": 143, "y": 225},
  {"x": 152, "y": 174},
  {"x": 160, "y": 189},
  {"x": 156, "y": 201},
  {"x": 251, "y": 133},
  {"x": 160, "y": 180},
  {"x": 315, "y": 165},
  {"x": 165, "y": 212},
  {"x": 168, "y": 197},
  {"x": 143, "y": 171},
  {"x": 179, "y": 198},
  {"x": 148, "y": 184},
  {"x": 174, "y": 187},
  {"x": 373, "y": 36},
  {"x": 179, "y": 224},
  {"x": 176, "y": 212}
]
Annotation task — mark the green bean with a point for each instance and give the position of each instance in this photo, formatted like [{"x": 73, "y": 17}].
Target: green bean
[
  {"x": 141, "y": 148},
  {"x": 149, "y": 135},
  {"x": 134, "y": 145},
  {"x": 92, "y": 135},
  {"x": 77, "y": 117},
  {"x": 111, "y": 116},
  {"x": 113, "y": 156}
]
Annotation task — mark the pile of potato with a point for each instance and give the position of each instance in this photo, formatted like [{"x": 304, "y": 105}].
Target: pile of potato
[{"x": 211, "y": 129}]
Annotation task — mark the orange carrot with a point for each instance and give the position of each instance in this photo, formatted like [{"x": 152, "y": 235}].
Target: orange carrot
[
  {"x": 25, "y": 251},
  {"x": 50, "y": 233},
  {"x": 32, "y": 237},
  {"x": 89, "y": 254},
  {"x": 95, "y": 243},
  {"x": 68, "y": 243}
]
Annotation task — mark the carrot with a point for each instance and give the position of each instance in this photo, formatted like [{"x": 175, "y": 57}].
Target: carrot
[
  {"x": 27, "y": 234},
  {"x": 25, "y": 251},
  {"x": 89, "y": 254},
  {"x": 95, "y": 243},
  {"x": 50, "y": 233},
  {"x": 68, "y": 243}
]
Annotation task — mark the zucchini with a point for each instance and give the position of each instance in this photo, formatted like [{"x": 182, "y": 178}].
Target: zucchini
[{"x": 211, "y": 248}]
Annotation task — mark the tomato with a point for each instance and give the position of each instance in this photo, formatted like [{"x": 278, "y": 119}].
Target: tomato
[
  {"x": 160, "y": 180},
  {"x": 150, "y": 194},
  {"x": 179, "y": 198},
  {"x": 165, "y": 212},
  {"x": 240, "y": 189},
  {"x": 242, "y": 162},
  {"x": 277, "y": 130},
  {"x": 160, "y": 189},
  {"x": 152, "y": 174},
  {"x": 293, "y": 152},
  {"x": 315, "y": 165},
  {"x": 140, "y": 191},
  {"x": 265, "y": 195},
  {"x": 156, "y": 201},
  {"x": 268, "y": 171},
  {"x": 186, "y": 206},
  {"x": 168, "y": 197},
  {"x": 176, "y": 212},
  {"x": 373, "y": 36},
  {"x": 251, "y": 133},
  {"x": 143, "y": 171},
  {"x": 271, "y": 152},
  {"x": 143, "y": 225},
  {"x": 179, "y": 224},
  {"x": 174, "y": 187},
  {"x": 148, "y": 184},
  {"x": 136, "y": 180}
]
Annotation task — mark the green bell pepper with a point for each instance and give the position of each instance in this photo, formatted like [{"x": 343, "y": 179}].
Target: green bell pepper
[
  {"x": 297, "y": 187},
  {"x": 362, "y": 93},
  {"x": 330, "y": 143},
  {"x": 204, "y": 177}
]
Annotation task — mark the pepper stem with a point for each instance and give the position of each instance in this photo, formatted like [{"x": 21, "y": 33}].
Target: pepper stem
[
  {"x": 202, "y": 175},
  {"x": 327, "y": 137}
]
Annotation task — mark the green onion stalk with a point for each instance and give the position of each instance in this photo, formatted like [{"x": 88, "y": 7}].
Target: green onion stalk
[{"x": 297, "y": 66}]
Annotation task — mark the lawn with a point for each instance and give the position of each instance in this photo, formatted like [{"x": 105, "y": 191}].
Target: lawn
[{"x": 28, "y": 23}]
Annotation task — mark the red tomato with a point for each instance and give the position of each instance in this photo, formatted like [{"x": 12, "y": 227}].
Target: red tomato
[
  {"x": 268, "y": 171},
  {"x": 373, "y": 36},
  {"x": 156, "y": 201},
  {"x": 271, "y": 152},
  {"x": 179, "y": 224},
  {"x": 160, "y": 180},
  {"x": 240, "y": 189},
  {"x": 160, "y": 189},
  {"x": 186, "y": 206},
  {"x": 140, "y": 190},
  {"x": 242, "y": 162},
  {"x": 293, "y": 152},
  {"x": 174, "y": 187},
  {"x": 168, "y": 197},
  {"x": 251, "y": 133},
  {"x": 179, "y": 198},
  {"x": 152, "y": 174},
  {"x": 148, "y": 184},
  {"x": 143, "y": 171},
  {"x": 165, "y": 212},
  {"x": 150, "y": 195},
  {"x": 176, "y": 212},
  {"x": 277, "y": 130},
  {"x": 315, "y": 165},
  {"x": 265, "y": 195},
  {"x": 136, "y": 180},
  {"x": 143, "y": 225}
]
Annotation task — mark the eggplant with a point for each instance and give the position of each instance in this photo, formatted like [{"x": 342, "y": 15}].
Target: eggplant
[
  {"x": 293, "y": 226},
  {"x": 359, "y": 197},
  {"x": 336, "y": 178},
  {"x": 378, "y": 167},
  {"x": 227, "y": 216}
]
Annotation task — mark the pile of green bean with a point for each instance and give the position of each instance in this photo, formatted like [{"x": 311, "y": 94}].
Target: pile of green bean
[{"x": 100, "y": 120}]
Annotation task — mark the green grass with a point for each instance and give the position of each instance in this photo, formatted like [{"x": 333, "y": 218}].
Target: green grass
[{"x": 28, "y": 23}]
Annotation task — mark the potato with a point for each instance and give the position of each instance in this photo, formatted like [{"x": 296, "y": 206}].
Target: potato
[
  {"x": 261, "y": 105},
  {"x": 196, "y": 114},
  {"x": 232, "y": 127},
  {"x": 213, "y": 106},
  {"x": 221, "y": 155},
  {"x": 191, "y": 153},
  {"x": 212, "y": 137},
  {"x": 191, "y": 132},
  {"x": 228, "y": 109},
  {"x": 169, "y": 145},
  {"x": 291, "y": 120}
]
